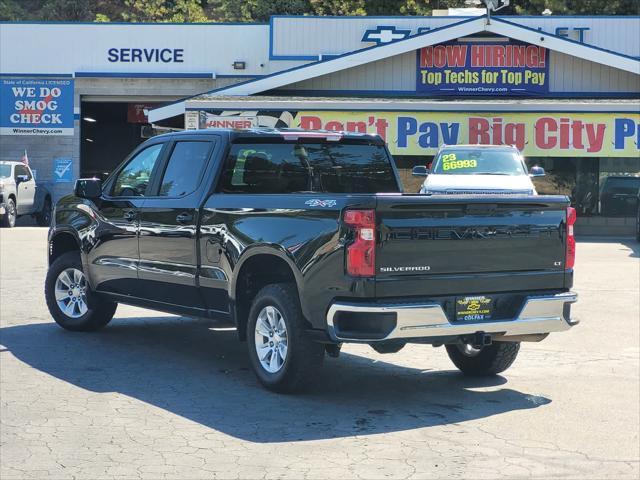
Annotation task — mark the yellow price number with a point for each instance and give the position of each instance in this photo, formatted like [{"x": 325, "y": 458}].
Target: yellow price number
[{"x": 451, "y": 162}]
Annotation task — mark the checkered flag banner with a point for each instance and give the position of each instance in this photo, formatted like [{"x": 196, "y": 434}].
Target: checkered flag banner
[{"x": 265, "y": 118}]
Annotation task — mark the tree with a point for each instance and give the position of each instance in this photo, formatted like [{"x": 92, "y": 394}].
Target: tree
[
  {"x": 338, "y": 7},
  {"x": 12, "y": 11},
  {"x": 416, "y": 7},
  {"x": 164, "y": 11},
  {"x": 261, "y": 10},
  {"x": 68, "y": 10},
  {"x": 578, "y": 7},
  {"x": 255, "y": 10}
]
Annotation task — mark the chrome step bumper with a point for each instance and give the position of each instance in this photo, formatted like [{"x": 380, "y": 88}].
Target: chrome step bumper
[{"x": 538, "y": 315}]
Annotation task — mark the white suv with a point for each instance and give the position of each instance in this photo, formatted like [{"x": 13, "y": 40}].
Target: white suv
[{"x": 478, "y": 169}]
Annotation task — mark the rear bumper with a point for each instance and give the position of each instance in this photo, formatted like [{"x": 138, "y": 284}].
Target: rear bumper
[
  {"x": 3, "y": 208},
  {"x": 538, "y": 315}
]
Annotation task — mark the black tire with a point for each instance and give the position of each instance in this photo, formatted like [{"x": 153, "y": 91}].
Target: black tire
[
  {"x": 10, "y": 214},
  {"x": 43, "y": 217},
  {"x": 490, "y": 360},
  {"x": 99, "y": 311},
  {"x": 303, "y": 357}
]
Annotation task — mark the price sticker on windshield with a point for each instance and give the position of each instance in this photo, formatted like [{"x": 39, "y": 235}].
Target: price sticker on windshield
[{"x": 450, "y": 162}]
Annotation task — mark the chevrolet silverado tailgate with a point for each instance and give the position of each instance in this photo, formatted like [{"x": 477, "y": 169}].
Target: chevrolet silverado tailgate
[{"x": 469, "y": 244}]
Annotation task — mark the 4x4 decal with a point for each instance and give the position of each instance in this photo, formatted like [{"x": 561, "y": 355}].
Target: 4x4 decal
[{"x": 316, "y": 202}]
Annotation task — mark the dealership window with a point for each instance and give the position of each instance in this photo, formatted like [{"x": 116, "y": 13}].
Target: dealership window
[
  {"x": 405, "y": 164},
  {"x": 596, "y": 186},
  {"x": 619, "y": 186}
]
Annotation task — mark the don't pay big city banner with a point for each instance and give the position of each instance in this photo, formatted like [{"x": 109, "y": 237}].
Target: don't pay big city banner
[{"x": 536, "y": 134}]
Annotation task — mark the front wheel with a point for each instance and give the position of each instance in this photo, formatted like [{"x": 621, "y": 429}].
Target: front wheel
[
  {"x": 71, "y": 302},
  {"x": 489, "y": 360},
  {"x": 283, "y": 358}
]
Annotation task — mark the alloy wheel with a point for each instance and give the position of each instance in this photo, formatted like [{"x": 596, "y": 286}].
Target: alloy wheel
[
  {"x": 271, "y": 339},
  {"x": 71, "y": 293}
]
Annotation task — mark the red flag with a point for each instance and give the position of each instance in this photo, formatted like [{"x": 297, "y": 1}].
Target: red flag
[{"x": 25, "y": 159}]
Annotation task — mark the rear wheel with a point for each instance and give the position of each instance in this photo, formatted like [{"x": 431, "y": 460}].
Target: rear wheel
[
  {"x": 489, "y": 360},
  {"x": 71, "y": 302},
  {"x": 43, "y": 217},
  {"x": 283, "y": 358},
  {"x": 10, "y": 214}
]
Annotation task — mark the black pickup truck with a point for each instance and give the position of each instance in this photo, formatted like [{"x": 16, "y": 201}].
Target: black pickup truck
[{"x": 304, "y": 241}]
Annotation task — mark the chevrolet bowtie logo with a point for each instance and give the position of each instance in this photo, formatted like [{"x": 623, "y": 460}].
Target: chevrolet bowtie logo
[{"x": 385, "y": 34}]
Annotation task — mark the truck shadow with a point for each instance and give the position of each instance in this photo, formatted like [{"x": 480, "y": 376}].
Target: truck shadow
[
  {"x": 634, "y": 246},
  {"x": 626, "y": 242},
  {"x": 181, "y": 366}
]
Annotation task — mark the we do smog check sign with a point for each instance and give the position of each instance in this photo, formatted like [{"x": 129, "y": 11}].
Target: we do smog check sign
[
  {"x": 36, "y": 106},
  {"x": 483, "y": 68}
]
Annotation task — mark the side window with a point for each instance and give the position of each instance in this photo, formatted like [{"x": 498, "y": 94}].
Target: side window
[
  {"x": 184, "y": 169},
  {"x": 266, "y": 168},
  {"x": 133, "y": 179},
  {"x": 22, "y": 170}
]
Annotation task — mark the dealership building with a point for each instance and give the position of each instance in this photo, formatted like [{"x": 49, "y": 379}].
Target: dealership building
[{"x": 565, "y": 90}]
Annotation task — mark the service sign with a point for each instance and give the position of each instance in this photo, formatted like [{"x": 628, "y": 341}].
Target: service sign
[
  {"x": 30, "y": 106},
  {"x": 483, "y": 68},
  {"x": 535, "y": 134}
]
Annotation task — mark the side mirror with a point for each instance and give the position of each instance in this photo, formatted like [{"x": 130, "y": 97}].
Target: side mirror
[
  {"x": 420, "y": 171},
  {"x": 21, "y": 178},
  {"x": 90, "y": 188},
  {"x": 536, "y": 172}
]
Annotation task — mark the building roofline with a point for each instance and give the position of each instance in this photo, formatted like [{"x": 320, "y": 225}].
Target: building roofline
[
  {"x": 578, "y": 46},
  {"x": 469, "y": 26},
  {"x": 161, "y": 113},
  {"x": 253, "y": 103},
  {"x": 393, "y": 17},
  {"x": 55, "y": 22}
]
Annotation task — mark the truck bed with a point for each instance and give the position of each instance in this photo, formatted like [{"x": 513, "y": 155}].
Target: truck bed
[{"x": 439, "y": 245}]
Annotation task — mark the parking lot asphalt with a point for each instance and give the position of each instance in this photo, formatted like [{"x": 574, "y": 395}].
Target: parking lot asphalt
[{"x": 159, "y": 396}]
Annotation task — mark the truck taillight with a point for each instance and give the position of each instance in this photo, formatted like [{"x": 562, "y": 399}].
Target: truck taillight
[
  {"x": 361, "y": 254},
  {"x": 570, "y": 259}
]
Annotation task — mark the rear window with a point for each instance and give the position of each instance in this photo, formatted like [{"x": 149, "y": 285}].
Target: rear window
[
  {"x": 479, "y": 161},
  {"x": 308, "y": 167}
]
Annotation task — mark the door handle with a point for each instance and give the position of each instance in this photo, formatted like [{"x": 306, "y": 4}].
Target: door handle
[
  {"x": 129, "y": 216},
  {"x": 184, "y": 217}
]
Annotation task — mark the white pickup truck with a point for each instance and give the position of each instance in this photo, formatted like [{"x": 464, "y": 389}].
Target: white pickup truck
[{"x": 19, "y": 195}]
